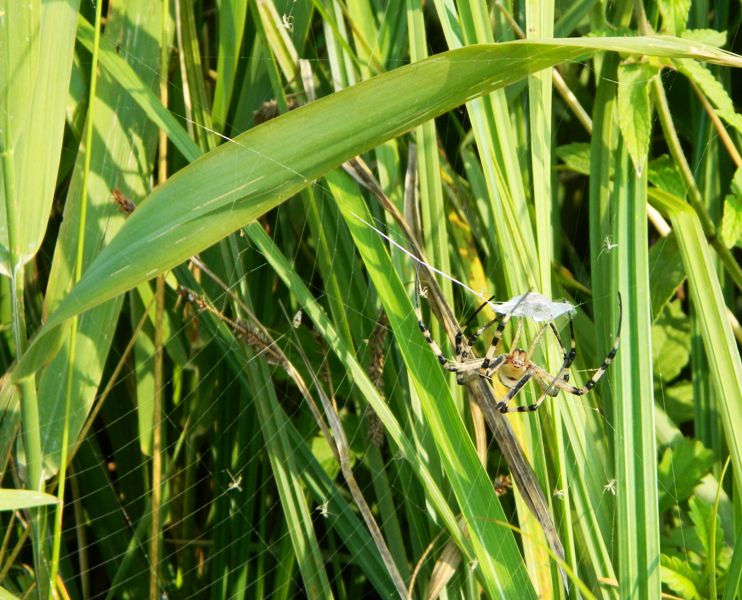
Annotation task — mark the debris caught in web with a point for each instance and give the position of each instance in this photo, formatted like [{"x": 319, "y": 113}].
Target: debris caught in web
[{"x": 535, "y": 306}]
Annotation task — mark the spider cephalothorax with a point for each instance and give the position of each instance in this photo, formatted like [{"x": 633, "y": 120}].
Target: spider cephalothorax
[
  {"x": 513, "y": 367},
  {"x": 509, "y": 372}
]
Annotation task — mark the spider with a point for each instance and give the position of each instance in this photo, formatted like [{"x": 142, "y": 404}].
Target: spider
[{"x": 509, "y": 372}]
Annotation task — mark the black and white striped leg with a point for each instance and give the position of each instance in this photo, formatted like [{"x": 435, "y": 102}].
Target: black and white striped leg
[
  {"x": 461, "y": 368},
  {"x": 562, "y": 384},
  {"x": 475, "y": 336},
  {"x": 502, "y": 405},
  {"x": 592, "y": 382},
  {"x": 444, "y": 361},
  {"x": 492, "y": 350},
  {"x": 568, "y": 357}
]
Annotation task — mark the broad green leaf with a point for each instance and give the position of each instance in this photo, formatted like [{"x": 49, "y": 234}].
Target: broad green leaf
[
  {"x": 674, "y": 15},
  {"x": 241, "y": 180},
  {"x": 670, "y": 342},
  {"x": 576, "y": 157},
  {"x": 731, "y": 222},
  {"x": 21, "y": 499},
  {"x": 322, "y": 453},
  {"x": 635, "y": 109},
  {"x": 700, "y": 513},
  {"x": 680, "y": 577},
  {"x": 666, "y": 272},
  {"x": 681, "y": 469},
  {"x": 677, "y": 399},
  {"x": 706, "y": 36},
  {"x": 712, "y": 89},
  {"x": 664, "y": 174},
  {"x": 731, "y": 117}
]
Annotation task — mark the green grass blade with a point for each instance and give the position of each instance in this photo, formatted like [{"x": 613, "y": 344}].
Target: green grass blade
[
  {"x": 140, "y": 91},
  {"x": 20, "y": 499},
  {"x": 293, "y": 500},
  {"x": 718, "y": 339},
  {"x": 360, "y": 378},
  {"x": 232, "y": 14},
  {"x": 195, "y": 97},
  {"x": 36, "y": 43},
  {"x": 239, "y": 181},
  {"x": 634, "y": 441},
  {"x": 501, "y": 565},
  {"x": 126, "y": 140}
]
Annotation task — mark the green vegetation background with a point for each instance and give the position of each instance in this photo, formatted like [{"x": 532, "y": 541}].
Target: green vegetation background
[{"x": 212, "y": 356}]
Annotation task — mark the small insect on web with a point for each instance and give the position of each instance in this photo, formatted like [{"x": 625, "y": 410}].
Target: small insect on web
[{"x": 509, "y": 371}]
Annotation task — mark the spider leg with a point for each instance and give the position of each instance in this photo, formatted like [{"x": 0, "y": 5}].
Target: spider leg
[
  {"x": 537, "y": 339},
  {"x": 551, "y": 383},
  {"x": 445, "y": 362},
  {"x": 547, "y": 382},
  {"x": 561, "y": 379},
  {"x": 464, "y": 369},
  {"x": 569, "y": 355},
  {"x": 492, "y": 350},
  {"x": 475, "y": 336},
  {"x": 567, "y": 360},
  {"x": 502, "y": 405},
  {"x": 591, "y": 383}
]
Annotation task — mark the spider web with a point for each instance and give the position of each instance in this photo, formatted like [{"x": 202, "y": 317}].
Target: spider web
[{"x": 230, "y": 405}]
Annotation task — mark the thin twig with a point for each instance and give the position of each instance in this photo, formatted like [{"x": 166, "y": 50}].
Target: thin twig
[{"x": 343, "y": 453}]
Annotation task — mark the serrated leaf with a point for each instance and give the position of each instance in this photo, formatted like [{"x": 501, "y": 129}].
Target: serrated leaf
[
  {"x": 576, "y": 157},
  {"x": 732, "y": 118},
  {"x": 680, "y": 577},
  {"x": 712, "y": 89},
  {"x": 674, "y": 15},
  {"x": 707, "y": 36},
  {"x": 700, "y": 513},
  {"x": 635, "y": 109},
  {"x": 671, "y": 341},
  {"x": 735, "y": 187},
  {"x": 681, "y": 469},
  {"x": 665, "y": 175},
  {"x": 677, "y": 401},
  {"x": 731, "y": 222},
  {"x": 666, "y": 272},
  {"x": 677, "y": 542}
]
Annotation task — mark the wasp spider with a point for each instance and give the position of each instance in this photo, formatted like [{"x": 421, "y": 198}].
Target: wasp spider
[{"x": 510, "y": 371}]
